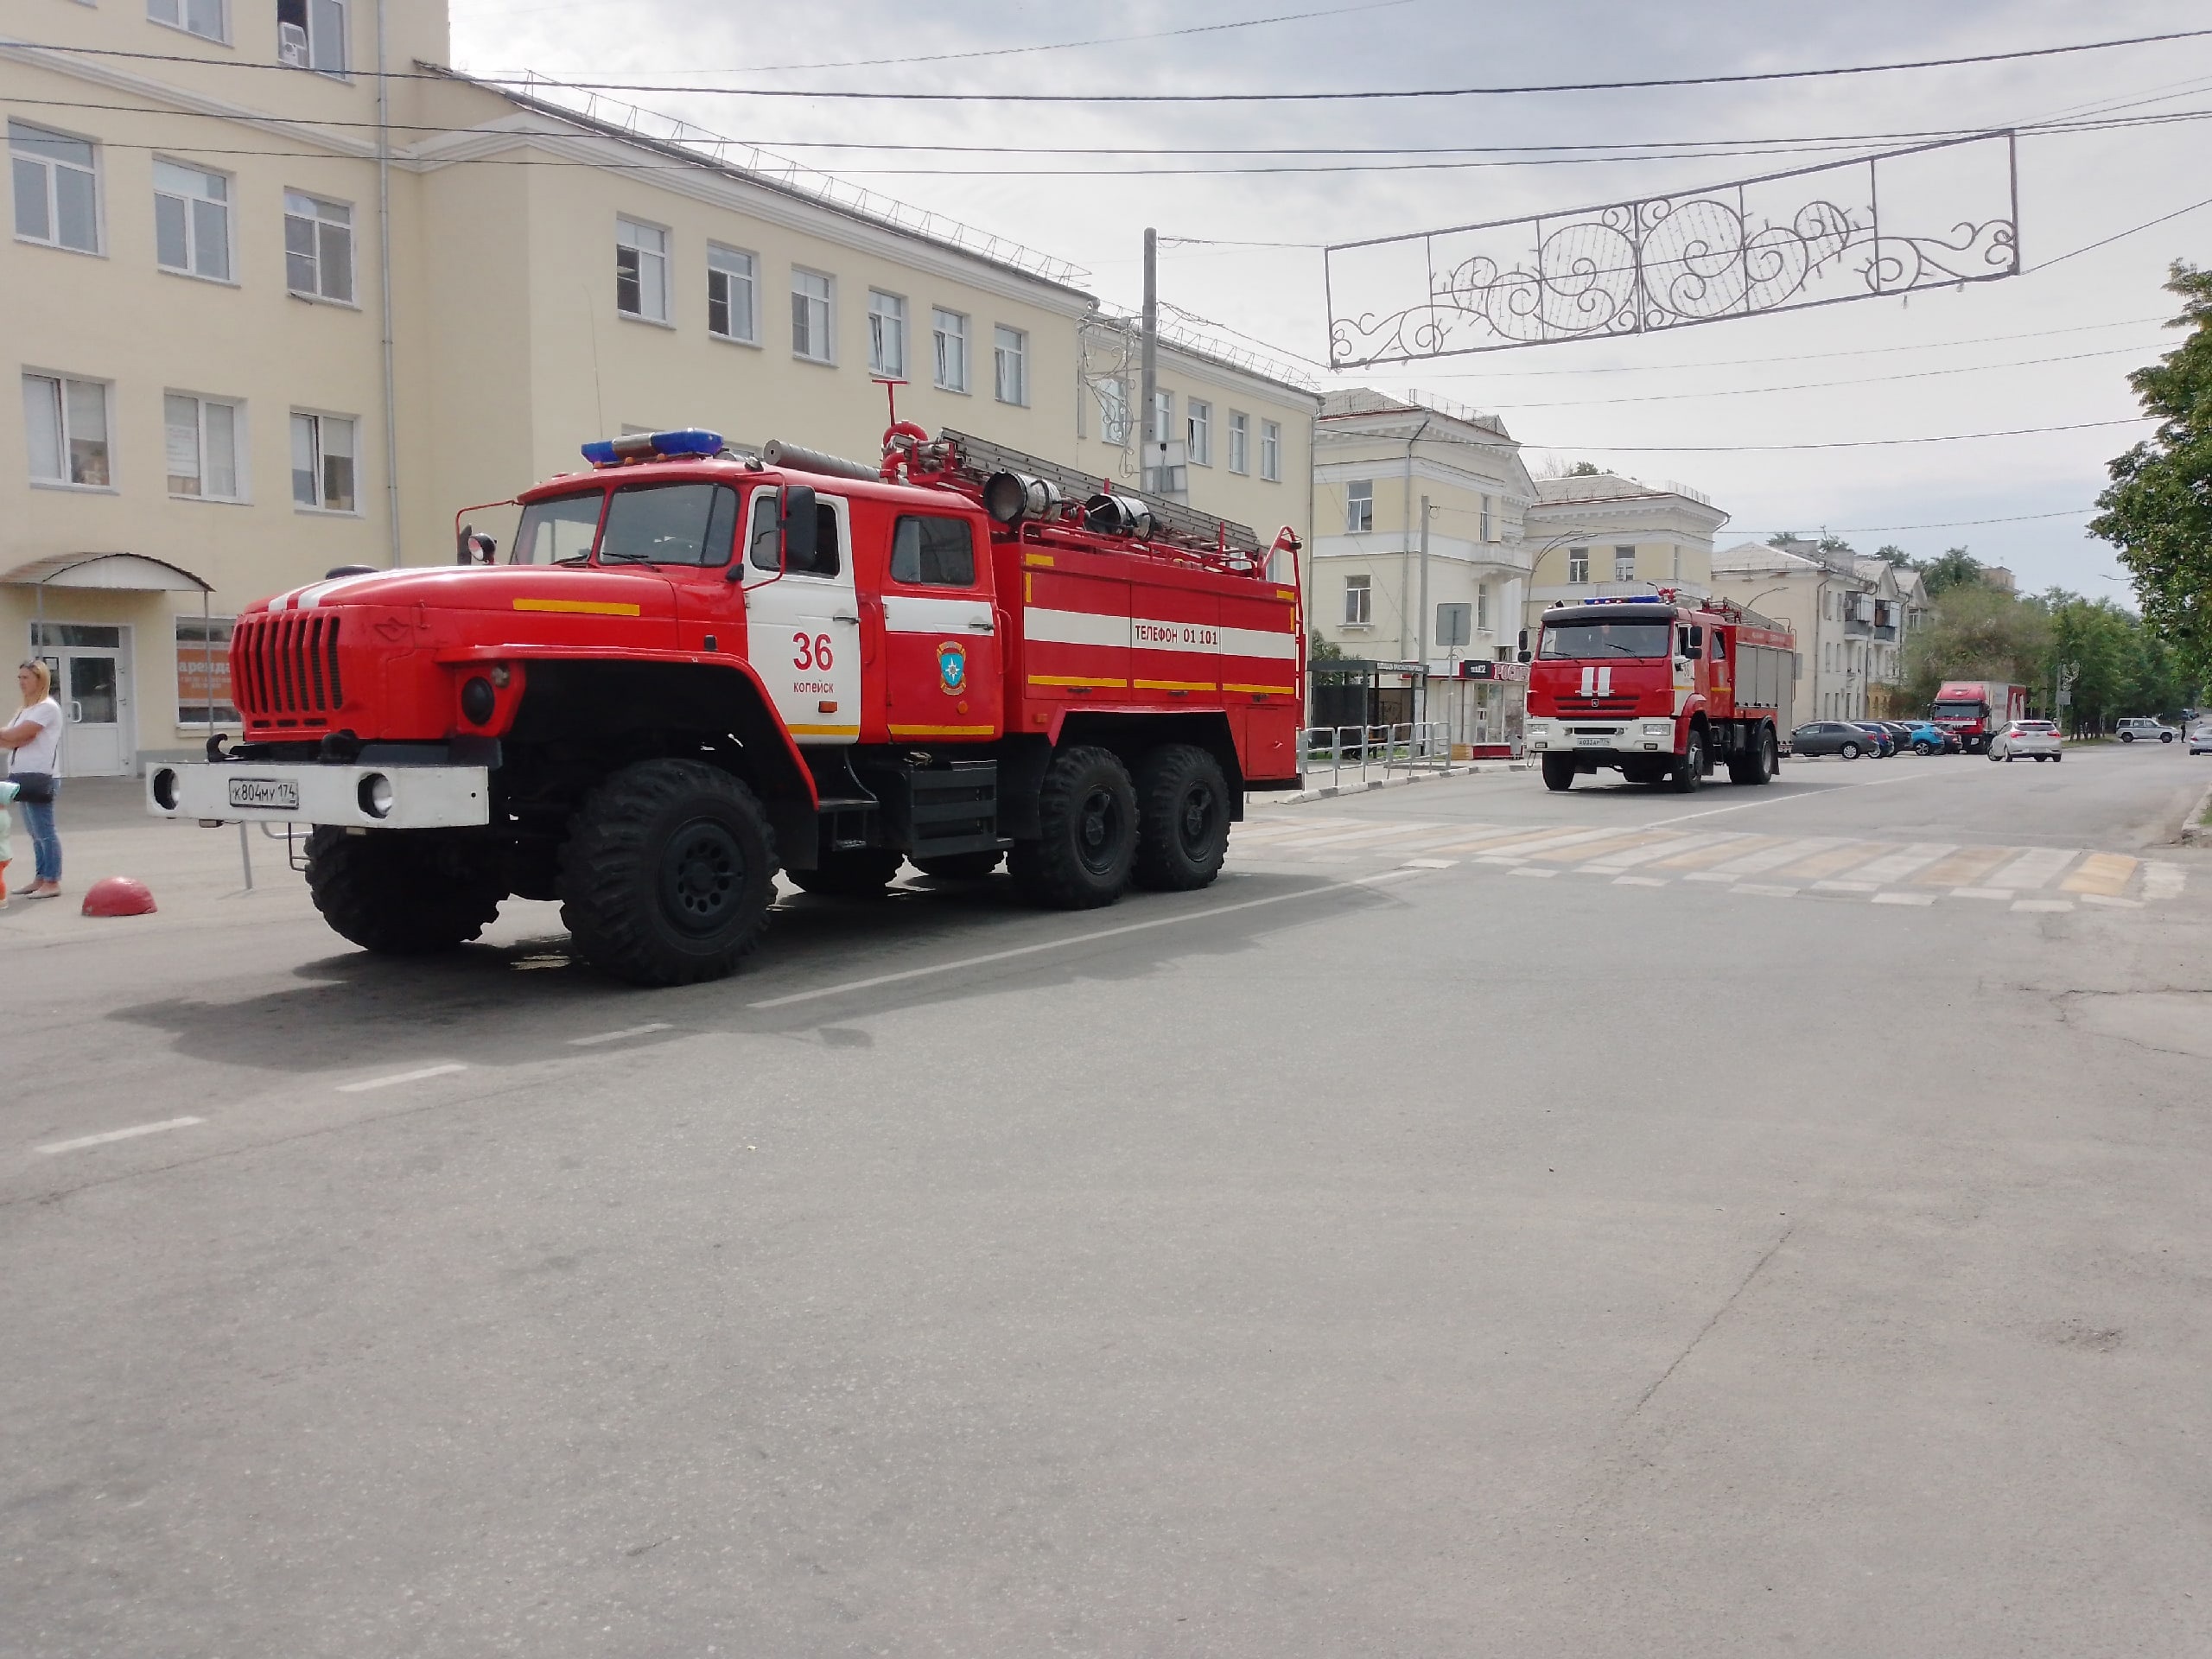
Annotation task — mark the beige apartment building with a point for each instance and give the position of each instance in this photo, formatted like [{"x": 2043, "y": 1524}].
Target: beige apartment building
[
  {"x": 277, "y": 313},
  {"x": 1852, "y": 615},
  {"x": 1595, "y": 534}
]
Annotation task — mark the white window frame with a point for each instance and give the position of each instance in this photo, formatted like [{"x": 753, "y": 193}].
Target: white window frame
[
  {"x": 317, "y": 454},
  {"x": 180, "y": 18},
  {"x": 1163, "y": 415},
  {"x": 1010, "y": 349},
  {"x": 1198, "y": 425},
  {"x": 649, "y": 245},
  {"x": 322, "y": 226},
  {"x": 827, "y": 300},
  {"x": 61, "y": 383},
  {"x": 1577, "y": 559},
  {"x": 1482, "y": 607},
  {"x": 1486, "y": 535},
  {"x": 189, "y": 208},
  {"x": 1359, "y": 507},
  {"x": 1240, "y": 442},
  {"x": 218, "y": 650},
  {"x": 886, "y": 334},
  {"x": 1359, "y": 602},
  {"x": 737, "y": 268},
  {"x": 1623, "y": 555},
  {"x": 949, "y": 332},
  {"x": 201, "y": 404},
  {"x": 1271, "y": 452},
  {"x": 48, "y": 168},
  {"x": 320, "y": 41}
]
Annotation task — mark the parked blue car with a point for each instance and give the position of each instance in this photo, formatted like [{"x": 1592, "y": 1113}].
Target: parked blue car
[
  {"x": 1885, "y": 740},
  {"x": 1928, "y": 738}
]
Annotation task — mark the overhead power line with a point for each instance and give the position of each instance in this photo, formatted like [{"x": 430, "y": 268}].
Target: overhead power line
[
  {"x": 999, "y": 95},
  {"x": 1841, "y": 443}
]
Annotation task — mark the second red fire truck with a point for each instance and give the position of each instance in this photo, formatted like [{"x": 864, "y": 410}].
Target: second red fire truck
[
  {"x": 698, "y": 668},
  {"x": 1664, "y": 691}
]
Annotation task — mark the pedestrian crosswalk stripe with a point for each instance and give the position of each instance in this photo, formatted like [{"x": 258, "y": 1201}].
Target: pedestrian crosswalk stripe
[
  {"x": 1903, "y": 862},
  {"x": 1713, "y": 852},
  {"x": 2032, "y": 868},
  {"x": 1768, "y": 858},
  {"x": 1616, "y": 843},
  {"x": 2164, "y": 880},
  {"x": 1964, "y": 868},
  {"x": 2105, "y": 875},
  {"x": 1833, "y": 862},
  {"x": 1657, "y": 848}
]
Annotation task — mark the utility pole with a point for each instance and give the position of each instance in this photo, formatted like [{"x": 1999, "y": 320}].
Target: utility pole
[
  {"x": 1420, "y": 626},
  {"x": 1148, "y": 372}
]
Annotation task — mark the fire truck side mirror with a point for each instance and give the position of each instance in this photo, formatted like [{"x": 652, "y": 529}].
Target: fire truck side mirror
[
  {"x": 1692, "y": 640},
  {"x": 1522, "y": 646},
  {"x": 797, "y": 523},
  {"x": 473, "y": 548}
]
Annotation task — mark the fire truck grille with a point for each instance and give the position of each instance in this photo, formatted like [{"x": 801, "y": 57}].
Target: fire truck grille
[
  {"x": 1575, "y": 707},
  {"x": 284, "y": 669}
]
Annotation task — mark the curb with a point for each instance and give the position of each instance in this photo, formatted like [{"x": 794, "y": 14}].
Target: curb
[
  {"x": 2195, "y": 832},
  {"x": 1332, "y": 791}
]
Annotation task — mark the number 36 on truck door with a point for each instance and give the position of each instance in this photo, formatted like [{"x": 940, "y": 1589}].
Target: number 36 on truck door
[{"x": 803, "y": 624}]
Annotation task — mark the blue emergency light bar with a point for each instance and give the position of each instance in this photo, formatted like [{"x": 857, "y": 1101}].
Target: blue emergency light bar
[{"x": 649, "y": 446}]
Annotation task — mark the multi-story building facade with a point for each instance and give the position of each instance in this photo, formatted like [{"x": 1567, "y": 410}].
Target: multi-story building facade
[
  {"x": 276, "y": 315},
  {"x": 1376, "y": 460},
  {"x": 1591, "y": 534},
  {"x": 1852, "y": 615}
]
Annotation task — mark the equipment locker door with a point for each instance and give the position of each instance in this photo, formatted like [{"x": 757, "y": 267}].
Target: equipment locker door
[{"x": 803, "y": 627}]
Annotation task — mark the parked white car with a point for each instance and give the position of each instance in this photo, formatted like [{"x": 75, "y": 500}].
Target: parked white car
[
  {"x": 2036, "y": 738},
  {"x": 2140, "y": 725},
  {"x": 2200, "y": 741}
]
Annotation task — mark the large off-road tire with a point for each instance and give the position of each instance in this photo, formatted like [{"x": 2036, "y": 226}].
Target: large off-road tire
[
  {"x": 402, "y": 892},
  {"x": 1089, "y": 812},
  {"x": 849, "y": 872},
  {"x": 1689, "y": 770},
  {"x": 960, "y": 867},
  {"x": 667, "y": 873},
  {"x": 1182, "y": 819},
  {"x": 1559, "y": 771},
  {"x": 1757, "y": 766}
]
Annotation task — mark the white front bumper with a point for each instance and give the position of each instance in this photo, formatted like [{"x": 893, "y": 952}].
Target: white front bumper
[
  {"x": 1610, "y": 736},
  {"x": 420, "y": 797}
]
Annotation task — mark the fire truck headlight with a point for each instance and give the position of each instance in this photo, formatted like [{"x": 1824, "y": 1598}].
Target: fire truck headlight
[
  {"x": 477, "y": 701},
  {"x": 376, "y": 795},
  {"x": 1658, "y": 728}
]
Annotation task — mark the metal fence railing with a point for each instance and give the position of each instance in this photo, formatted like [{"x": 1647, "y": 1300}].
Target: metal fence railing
[{"x": 1414, "y": 746}]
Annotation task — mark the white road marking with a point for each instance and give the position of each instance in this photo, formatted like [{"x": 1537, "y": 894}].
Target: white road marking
[
  {"x": 1844, "y": 886},
  {"x": 1914, "y": 776},
  {"x": 2164, "y": 880},
  {"x": 1629, "y": 857},
  {"x": 1768, "y": 858},
  {"x": 1904, "y": 898},
  {"x": 1431, "y": 863},
  {"x": 131, "y": 1133},
  {"x": 1764, "y": 890},
  {"x": 1707, "y": 875},
  {"x": 1902, "y": 863},
  {"x": 2033, "y": 868},
  {"x": 1638, "y": 881},
  {"x": 1387, "y": 875},
  {"x": 2043, "y": 904},
  {"x": 2109, "y": 902},
  {"x": 1526, "y": 869},
  {"x": 1372, "y": 832},
  {"x": 367, "y": 1083},
  {"x": 618, "y": 1036},
  {"x": 1981, "y": 893}
]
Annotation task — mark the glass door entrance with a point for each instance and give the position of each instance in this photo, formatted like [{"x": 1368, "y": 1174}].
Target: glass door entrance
[{"x": 91, "y": 666}]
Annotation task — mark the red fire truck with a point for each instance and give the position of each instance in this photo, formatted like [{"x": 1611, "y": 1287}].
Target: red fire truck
[
  {"x": 1660, "y": 688},
  {"x": 1976, "y": 711},
  {"x": 698, "y": 667}
]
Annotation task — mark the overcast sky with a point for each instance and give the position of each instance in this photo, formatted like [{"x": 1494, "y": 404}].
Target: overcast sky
[{"x": 2075, "y": 189}]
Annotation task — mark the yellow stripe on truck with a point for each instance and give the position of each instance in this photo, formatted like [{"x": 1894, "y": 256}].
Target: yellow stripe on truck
[{"x": 578, "y": 607}]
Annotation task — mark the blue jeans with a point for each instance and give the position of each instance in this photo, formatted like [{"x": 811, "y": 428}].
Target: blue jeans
[{"x": 46, "y": 845}]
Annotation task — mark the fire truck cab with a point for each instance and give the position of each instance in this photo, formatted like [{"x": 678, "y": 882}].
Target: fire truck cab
[
  {"x": 1662, "y": 689},
  {"x": 696, "y": 668}
]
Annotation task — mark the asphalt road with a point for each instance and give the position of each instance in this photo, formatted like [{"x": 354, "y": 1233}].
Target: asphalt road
[{"x": 1701, "y": 1248}]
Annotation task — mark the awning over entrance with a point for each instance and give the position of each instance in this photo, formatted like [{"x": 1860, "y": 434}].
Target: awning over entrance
[{"x": 118, "y": 572}]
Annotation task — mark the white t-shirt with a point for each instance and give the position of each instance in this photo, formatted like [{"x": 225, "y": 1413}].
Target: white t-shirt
[{"x": 43, "y": 752}]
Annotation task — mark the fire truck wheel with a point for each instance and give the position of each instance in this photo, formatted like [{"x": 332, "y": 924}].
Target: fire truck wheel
[
  {"x": 400, "y": 893},
  {"x": 1089, "y": 812},
  {"x": 1559, "y": 771},
  {"x": 1689, "y": 771},
  {"x": 849, "y": 872},
  {"x": 1757, "y": 766},
  {"x": 1182, "y": 818},
  {"x": 667, "y": 873},
  {"x": 960, "y": 867}
]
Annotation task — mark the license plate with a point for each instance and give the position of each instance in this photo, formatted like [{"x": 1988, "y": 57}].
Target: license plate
[
  {"x": 1593, "y": 742},
  {"x": 264, "y": 792}
]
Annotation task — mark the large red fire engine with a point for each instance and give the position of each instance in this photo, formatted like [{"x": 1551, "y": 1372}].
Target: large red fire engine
[
  {"x": 698, "y": 667},
  {"x": 1661, "y": 688}
]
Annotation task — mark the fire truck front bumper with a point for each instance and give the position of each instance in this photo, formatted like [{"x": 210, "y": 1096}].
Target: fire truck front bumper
[
  {"x": 356, "y": 797},
  {"x": 1603, "y": 741}
]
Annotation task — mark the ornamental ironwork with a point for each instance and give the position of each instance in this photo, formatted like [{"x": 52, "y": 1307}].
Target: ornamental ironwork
[{"x": 1932, "y": 216}]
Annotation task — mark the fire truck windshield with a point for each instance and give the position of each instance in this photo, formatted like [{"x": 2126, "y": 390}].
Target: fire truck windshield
[
  {"x": 644, "y": 523},
  {"x": 1580, "y": 641},
  {"x": 559, "y": 531}
]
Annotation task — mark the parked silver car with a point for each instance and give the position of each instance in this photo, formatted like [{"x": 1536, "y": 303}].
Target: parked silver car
[
  {"x": 2200, "y": 741},
  {"x": 2036, "y": 738},
  {"x": 2140, "y": 725}
]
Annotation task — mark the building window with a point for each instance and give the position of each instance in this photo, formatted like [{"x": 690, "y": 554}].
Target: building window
[
  {"x": 199, "y": 436},
  {"x": 1486, "y": 535},
  {"x": 1270, "y": 452},
  {"x": 1199, "y": 424},
  {"x": 1624, "y": 564},
  {"x": 203, "y": 672},
  {"x": 311, "y": 35},
  {"x": 730, "y": 314},
  {"x": 1578, "y": 565},
  {"x": 322, "y": 462},
  {"x": 57, "y": 188},
  {"x": 1240, "y": 442},
  {"x": 1453, "y": 625},
  {"x": 1114, "y": 412},
  {"x": 191, "y": 221},
  {"x": 201, "y": 18},
  {"x": 318, "y": 248},
  {"x": 1359, "y": 602},
  {"x": 949, "y": 333},
  {"x": 66, "y": 423},
  {"x": 810, "y": 292},
  {"x": 641, "y": 272},
  {"x": 887, "y": 335},
  {"x": 1010, "y": 361},
  {"x": 1163, "y": 415},
  {"x": 1482, "y": 607},
  {"x": 1359, "y": 507}
]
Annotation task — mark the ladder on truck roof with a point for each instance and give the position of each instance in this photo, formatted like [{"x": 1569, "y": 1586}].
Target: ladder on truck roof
[{"x": 981, "y": 457}]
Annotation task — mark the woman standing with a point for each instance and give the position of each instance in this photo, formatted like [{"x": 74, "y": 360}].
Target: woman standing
[{"x": 35, "y": 738}]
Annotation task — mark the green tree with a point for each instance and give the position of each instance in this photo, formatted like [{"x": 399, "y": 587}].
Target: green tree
[
  {"x": 1583, "y": 469},
  {"x": 1836, "y": 544},
  {"x": 1894, "y": 555},
  {"x": 2158, "y": 510},
  {"x": 1978, "y": 633},
  {"x": 1956, "y": 568},
  {"x": 1782, "y": 538}
]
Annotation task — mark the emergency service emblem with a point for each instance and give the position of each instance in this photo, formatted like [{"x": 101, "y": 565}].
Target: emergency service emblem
[{"x": 952, "y": 667}]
